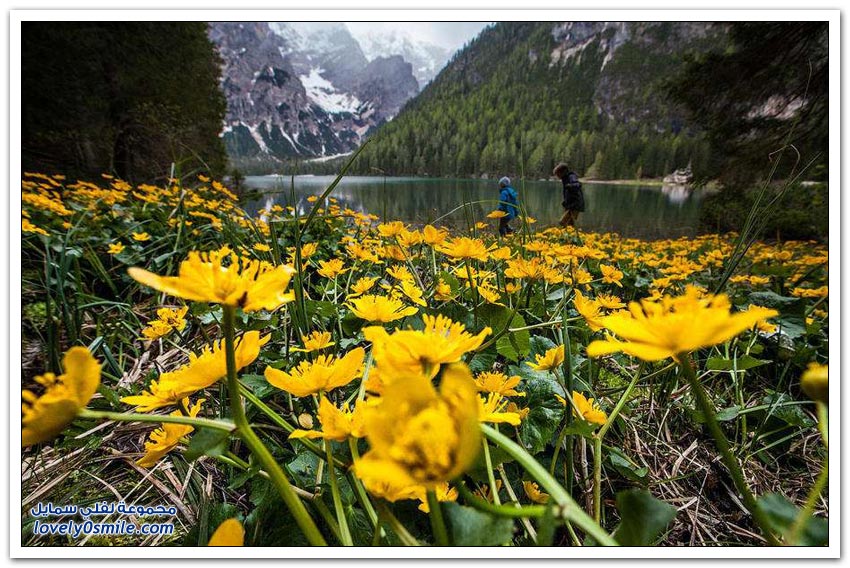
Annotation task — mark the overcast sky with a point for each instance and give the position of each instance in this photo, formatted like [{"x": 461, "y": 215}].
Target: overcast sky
[{"x": 451, "y": 35}]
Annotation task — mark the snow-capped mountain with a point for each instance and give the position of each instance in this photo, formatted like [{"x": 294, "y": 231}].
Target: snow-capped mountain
[
  {"x": 303, "y": 91},
  {"x": 427, "y": 58}
]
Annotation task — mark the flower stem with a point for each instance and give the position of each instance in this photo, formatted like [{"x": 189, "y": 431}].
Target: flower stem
[
  {"x": 492, "y": 478},
  {"x": 438, "y": 525},
  {"x": 597, "y": 445},
  {"x": 344, "y": 531},
  {"x": 385, "y": 514},
  {"x": 707, "y": 408},
  {"x": 222, "y": 425},
  {"x": 570, "y": 510},
  {"x": 244, "y": 431},
  {"x": 568, "y": 388}
]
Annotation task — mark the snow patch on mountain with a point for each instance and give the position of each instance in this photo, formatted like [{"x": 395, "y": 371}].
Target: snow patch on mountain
[{"x": 322, "y": 92}]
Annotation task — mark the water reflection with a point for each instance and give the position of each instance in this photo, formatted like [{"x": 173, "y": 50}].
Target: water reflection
[{"x": 634, "y": 211}]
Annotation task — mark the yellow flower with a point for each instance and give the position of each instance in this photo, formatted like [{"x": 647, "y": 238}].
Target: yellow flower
[
  {"x": 360, "y": 252},
  {"x": 419, "y": 436},
  {"x": 653, "y": 331},
  {"x": 228, "y": 533},
  {"x": 413, "y": 292},
  {"x": 589, "y": 310},
  {"x": 400, "y": 273},
  {"x": 362, "y": 286},
  {"x": 316, "y": 341},
  {"x": 336, "y": 424},
  {"x": 331, "y": 268},
  {"x": 201, "y": 372},
  {"x": 442, "y": 291},
  {"x": 464, "y": 247},
  {"x": 534, "y": 493},
  {"x": 115, "y": 248},
  {"x": 501, "y": 253},
  {"x": 391, "y": 230},
  {"x": 815, "y": 382},
  {"x": 549, "y": 361},
  {"x": 166, "y": 438},
  {"x": 28, "y": 227},
  {"x": 496, "y": 214},
  {"x": 379, "y": 308},
  {"x": 324, "y": 374},
  {"x": 610, "y": 302},
  {"x": 443, "y": 492},
  {"x": 409, "y": 352},
  {"x": 174, "y": 317},
  {"x": 433, "y": 236},
  {"x": 391, "y": 492},
  {"x": 262, "y": 247},
  {"x": 141, "y": 237},
  {"x": 250, "y": 284},
  {"x": 45, "y": 416},
  {"x": 498, "y": 383},
  {"x": 590, "y": 411},
  {"x": 821, "y": 292},
  {"x": 610, "y": 275},
  {"x": 156, "y": 329},
  {"x": 407, "y": 239},
  {"x": 494, "y": 410}
]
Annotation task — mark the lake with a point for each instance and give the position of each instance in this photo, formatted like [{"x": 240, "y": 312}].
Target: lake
[{"x": 649, "y": 212}]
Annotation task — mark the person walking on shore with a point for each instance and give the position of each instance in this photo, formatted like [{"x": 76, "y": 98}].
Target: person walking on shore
[
  {"x": 507, "y": 204},
  {"x": 573, "y": 202}
]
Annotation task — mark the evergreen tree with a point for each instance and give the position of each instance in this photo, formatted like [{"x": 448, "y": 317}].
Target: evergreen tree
[{"x": 127, "y": 98}]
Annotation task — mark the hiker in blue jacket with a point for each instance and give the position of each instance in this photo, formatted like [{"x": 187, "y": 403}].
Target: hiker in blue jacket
[{"x": 508, "y": 204}]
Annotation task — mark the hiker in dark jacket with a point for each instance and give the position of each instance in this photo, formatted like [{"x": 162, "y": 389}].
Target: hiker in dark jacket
[
  {"x": 508, "y": 204},
  {"x": 573, "y": 202}
]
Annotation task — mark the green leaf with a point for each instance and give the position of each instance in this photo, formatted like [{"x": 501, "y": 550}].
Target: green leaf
[
  {"x": 514, "y": 345},
  {"x": 547, "y": 525},
  {"x": 539, "y": 345},
  {"x": 538, "y": 428},
  {"x": 582, "y": 428},
  {"x": 469, "y": 527},
  {"x": 626, "y": 467},
  {"x": 782, "y": 514},
  {"x": 643, "y": 517},
  {"x": 783, "y": 304},
  {"x": 257, "y": 384},
  {"x": 482, "y": 362},
  {"x": 741, "y": 363},
  {"x": 207, "y": 442}
]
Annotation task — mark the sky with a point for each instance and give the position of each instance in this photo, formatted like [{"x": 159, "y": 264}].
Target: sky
[{"x": 451, "y": 35}]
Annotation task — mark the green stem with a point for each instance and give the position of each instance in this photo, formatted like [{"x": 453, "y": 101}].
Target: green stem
[
  {"x": 406, "y": 538},
  {"x": 244, "y": 431},
  {"x": 492, "y": 478},
  {"x": 568, "y": 387},
  {"x": 570, "y": 510},
  {"x": 344, "y": 531},
  {"x": 707, "y": 408},
  {"x": 279, "y": 421},
  {"x": 438, "y": 526},
  {"x": 359, "y": 490},
  {"x": 597, "y": 479},
  {"x": 161, "y": 418},
  {"x": 511, "y": 511}
]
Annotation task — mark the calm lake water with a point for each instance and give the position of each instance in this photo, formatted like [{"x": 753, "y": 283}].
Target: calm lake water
[{"x": 630, "y": 210}]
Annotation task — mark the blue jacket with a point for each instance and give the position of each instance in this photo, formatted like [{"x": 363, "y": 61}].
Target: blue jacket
[{"x": 508, "y": 196}]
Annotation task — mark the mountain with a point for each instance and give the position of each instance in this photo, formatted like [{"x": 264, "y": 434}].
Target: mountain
[
  {"x": 426, "y": 58},
  {"x": 302, "y": 93},
  {"x": 523, "y": 96}
]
